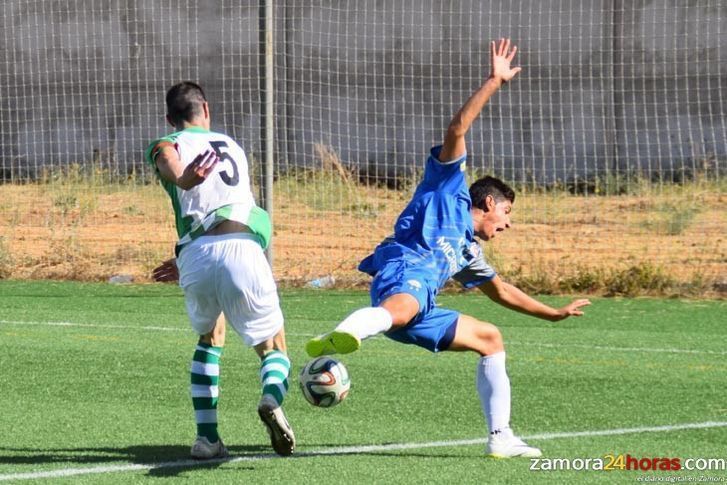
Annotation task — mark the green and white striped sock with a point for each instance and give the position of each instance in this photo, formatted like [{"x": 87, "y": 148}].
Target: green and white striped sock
[
  {"x": 205, "y": 377},
  {"x": 274, "y": 371}
]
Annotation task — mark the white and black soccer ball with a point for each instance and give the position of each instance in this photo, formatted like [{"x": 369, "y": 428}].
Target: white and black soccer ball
[{"x": 324, "y": 382}]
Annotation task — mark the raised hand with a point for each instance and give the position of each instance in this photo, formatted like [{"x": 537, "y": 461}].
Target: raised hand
[
  {"x": 500, "y": 58},
  {"x": 197, "y": 172}
]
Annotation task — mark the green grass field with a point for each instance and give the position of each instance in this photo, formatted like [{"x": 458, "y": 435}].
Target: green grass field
[{"x": 95, "y": 390}]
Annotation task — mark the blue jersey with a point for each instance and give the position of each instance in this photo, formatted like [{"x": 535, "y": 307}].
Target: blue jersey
[{"x": 434, "y": 233}]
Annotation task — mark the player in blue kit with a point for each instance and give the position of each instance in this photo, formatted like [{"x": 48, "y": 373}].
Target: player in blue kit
[{"x": 433, "y": 241}]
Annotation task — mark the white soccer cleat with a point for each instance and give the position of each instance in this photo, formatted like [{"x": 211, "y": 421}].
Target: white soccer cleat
[
  {"x": 202, "y": 449},
  {"x": 281, "y": 434},
  {"x": 504, "y": 444},
  {"x": 330, "y": 343}
]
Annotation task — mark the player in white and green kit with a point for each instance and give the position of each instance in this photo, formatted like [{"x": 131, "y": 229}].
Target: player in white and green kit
[{"x": 222, "y": 267}]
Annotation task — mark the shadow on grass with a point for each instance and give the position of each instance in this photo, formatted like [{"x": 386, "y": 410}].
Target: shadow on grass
[
  {"x": 164, "y": 460},
  {"x": 172, "y": 460}
]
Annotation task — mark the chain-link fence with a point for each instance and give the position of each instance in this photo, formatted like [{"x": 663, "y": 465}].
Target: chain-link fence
[{"x": 614, "y": 134}]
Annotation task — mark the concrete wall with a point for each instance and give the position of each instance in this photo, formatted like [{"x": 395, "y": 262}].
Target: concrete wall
[{"x": 607, "y": 85}]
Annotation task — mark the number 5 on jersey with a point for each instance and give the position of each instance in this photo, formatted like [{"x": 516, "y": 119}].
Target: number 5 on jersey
[{"x": 233, "y": 180}]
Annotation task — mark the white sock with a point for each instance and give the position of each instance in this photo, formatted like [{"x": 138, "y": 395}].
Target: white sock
[
  {"x": 366, "y": 322},
  {"x": 493, "y": 386}
]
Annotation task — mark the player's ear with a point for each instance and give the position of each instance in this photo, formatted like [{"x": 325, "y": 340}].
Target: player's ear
[
  {"x": 206, "y": 110},
  {"x": 490, "y": 203}
]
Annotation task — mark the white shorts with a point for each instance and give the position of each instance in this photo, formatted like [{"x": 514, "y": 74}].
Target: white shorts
[{"x": 229, "y": 274}]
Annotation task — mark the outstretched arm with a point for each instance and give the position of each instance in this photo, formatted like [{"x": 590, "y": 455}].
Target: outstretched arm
[
  {"x": 500, "y": 58},
  {"x": 514, "y": 298}
]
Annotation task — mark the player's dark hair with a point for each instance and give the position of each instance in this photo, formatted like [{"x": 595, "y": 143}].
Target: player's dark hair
[
  {"x": 184, "y": 102},
  {"x": 485, "y": 186}
]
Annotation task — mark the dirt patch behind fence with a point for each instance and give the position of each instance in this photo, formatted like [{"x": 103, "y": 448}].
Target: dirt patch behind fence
[{"x": 673, "y": 240}]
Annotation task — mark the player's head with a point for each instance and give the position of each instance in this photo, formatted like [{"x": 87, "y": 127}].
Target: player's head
[
  {"x": 187, "y": 105},
  {"x": 492, "y": 201}
]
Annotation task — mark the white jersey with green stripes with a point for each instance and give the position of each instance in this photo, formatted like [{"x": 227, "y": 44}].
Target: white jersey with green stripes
[{"x": 224, "y": 195}]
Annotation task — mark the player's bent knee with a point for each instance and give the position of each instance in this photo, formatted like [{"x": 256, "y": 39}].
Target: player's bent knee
[
  {"x": 490, "y": 338},
  {"x": 475, "y": 335},
  {"x": 494, "y": 335}
]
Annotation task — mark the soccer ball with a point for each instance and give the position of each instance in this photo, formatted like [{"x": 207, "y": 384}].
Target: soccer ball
[{"x": 324, "y": 382}]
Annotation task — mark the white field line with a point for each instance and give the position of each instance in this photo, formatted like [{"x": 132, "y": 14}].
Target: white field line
[
  {"x": 91, "y": 325},
  {"x": 294, "y": 334},
  {"x": 350, "y": 450},
  {"x": 186, "y": 329},
  {"x": 620, "y": 349}
]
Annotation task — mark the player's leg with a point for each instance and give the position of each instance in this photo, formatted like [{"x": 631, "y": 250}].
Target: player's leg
[
  {"x": 396, "y": 311},
  {"x": 493, "y": 385},
  {"x": 397, "y": 295},
  {"x": 274, "y": 373},
  {"x": 249, "y": 299},
  {"x": 196, "y": 276},
  {"x": 204, "y": 379}
]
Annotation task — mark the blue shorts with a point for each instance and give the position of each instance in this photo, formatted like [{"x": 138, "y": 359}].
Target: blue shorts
[{"x": 433, "y": 328}]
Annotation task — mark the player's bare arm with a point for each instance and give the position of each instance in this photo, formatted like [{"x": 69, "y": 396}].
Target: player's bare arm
[
  {"x": 514, "y": 298},
  {"x": 501, "y": 56},
  {"x": 171, "y": 169}
]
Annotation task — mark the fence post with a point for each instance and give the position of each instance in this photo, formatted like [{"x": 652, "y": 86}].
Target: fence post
[
  {"x": 267, "y": 107},
  {"x": 618, "y": 89}
]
